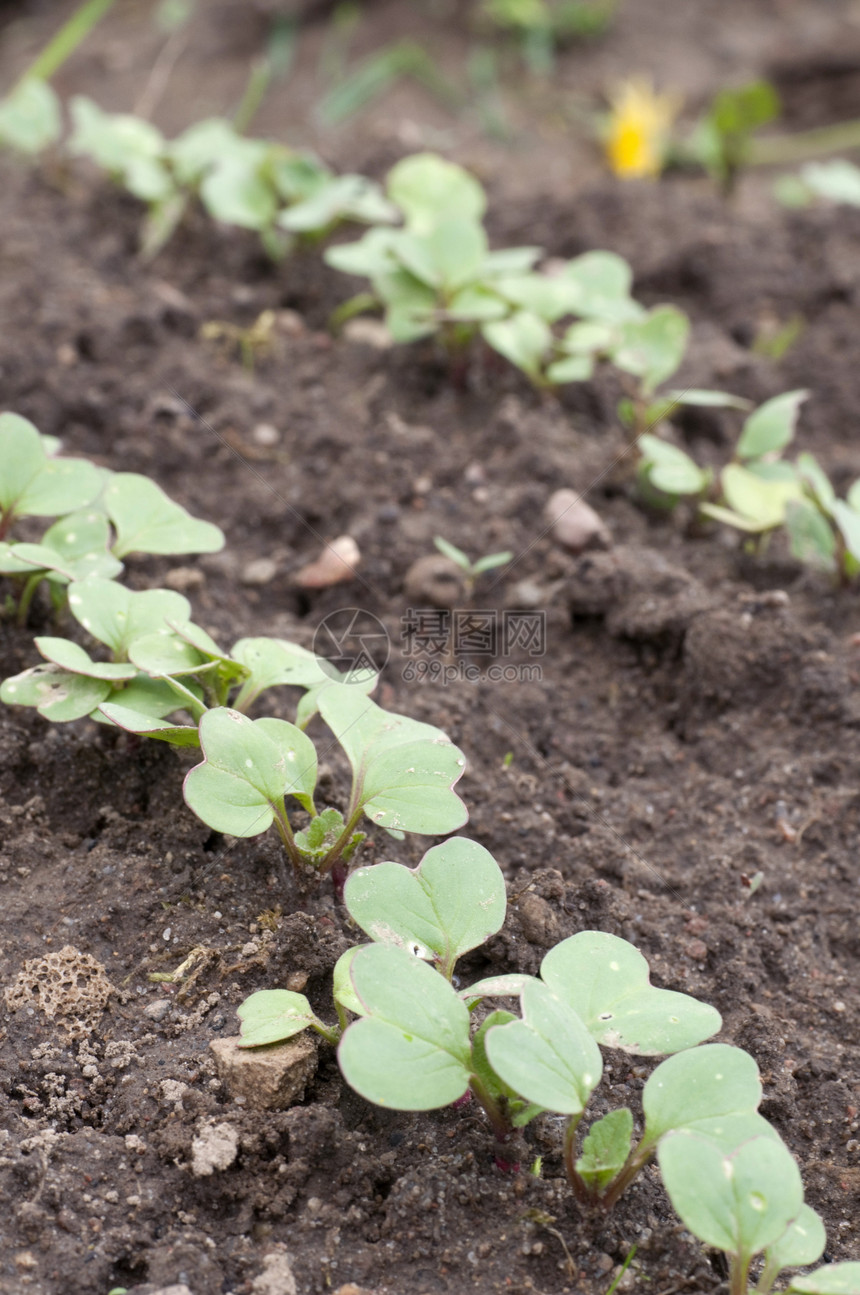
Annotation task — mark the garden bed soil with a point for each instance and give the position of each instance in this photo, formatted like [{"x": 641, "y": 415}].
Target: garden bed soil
[{"x": 695, "y": 725}]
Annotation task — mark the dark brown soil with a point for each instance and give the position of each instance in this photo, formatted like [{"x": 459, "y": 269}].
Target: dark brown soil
[{"x": 696, "y": 722}]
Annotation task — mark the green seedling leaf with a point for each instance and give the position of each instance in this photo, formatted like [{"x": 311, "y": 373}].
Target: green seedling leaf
[
  {"x": 34, "y": 485},
  {"x": 162, "y": 655},
  {"x": 524, "y": 339},
  {"x": 202, "y": 147},
  {"x": 652, "y": 348},
  {"x": 410, "y": 1051},
  {"x": 135, "y": 721},
  {"x": 428, "y": 189},
  {"x": 156, "y": 698},
  {"x": 602, "y": 284},
  {"x": 816, "y": 481},
  {"x": 770, "y": 427},
  {"x": 832, "y": 1279},
  {"x": 342, "y": 987},
  {"x": 57, "y": 694},
  {"x": 344, "y": 197},
  {"x": 740, "y": 1203},
  {"x": 837, "y": 181},
  {"x": 272, "y": 1015},
  {"x": 116, "y": 616},
  {"x": 70, "y": 656},
  {"x": 669, "y": 469},
  {"x": 13, "y": 565},
  {"x": 274, "y": 662},
  {"x": 695, "y": 1089},
  {"x": 30, "y": 117},
  {"x": 447, "y": 257},
  {"x": 507, "y": 261},
  {"x": 474, "y": 304},
  {"x": 506, "y": 986},
  {"x": 451, "y": 551},
  {"x": 549, "y": 1057},
  {"x": 811, "y": 536},
  {"x": 237, "y": 194},
  {"x": 112, "y": 140},
  {"x": 519, "y": 1113},
  {"x": 573, "y": 368},
  {"x": 760, "y": 502},
  {"x": 371, "y": 255},
  {"x": 248, "y": 769},
  {"x": 605, "y": 1149},
  {"x": 321, "y": 834},
  {"x": 451, "y": 903},
  {"x": 147, "y": 521},
  {"x": 848, "y": 522},
  {"x": 403, "y": 771},
  {"x": 606, "y": 981},
  {"x": 490, "y": 562},
  {"x": 802, "y": 1243},
  {"x": 704, "y": 399},
  {"x": 75, "y": 547},
  {"x": 548, "y": 297}
]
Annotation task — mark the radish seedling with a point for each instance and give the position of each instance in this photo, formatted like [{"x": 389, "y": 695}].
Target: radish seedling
[
  {"x": 471, "y": 570},
  {"x": 252, "y": 183}
]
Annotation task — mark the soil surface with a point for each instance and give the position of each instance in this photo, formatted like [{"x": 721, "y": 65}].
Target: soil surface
[{"x": 695, "y": 725}]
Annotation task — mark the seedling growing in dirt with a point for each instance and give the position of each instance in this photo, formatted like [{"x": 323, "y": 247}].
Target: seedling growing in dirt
[
  {"x": 451, "y": 903},
  {"x": 30, "y": 115},
  {"x": 35, "y": 482},
  {"x": 722, "y": 140},
  {"x": 251, "y": 183},
  {"x": 471, "y": 570},
  {"x": 404, "y": 773},
  {"x": 745, "y": 1201}
]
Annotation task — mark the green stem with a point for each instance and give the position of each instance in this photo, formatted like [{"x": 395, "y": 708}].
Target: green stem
[
  {"x": 67, "y": 40},
  {"x": 341, "y": 843},
  {"x": 784, "y": 150},
  {"x": 769, "y": 1274},
  {"x": 636, "y": 1161},
  {"x": 580, "y": 1191},
  {"x": 255, "y": 93},
  {"x": 501, "y": 1124},
  {"x": 739, "y": 1269},
  {"x": 282, "y": 823},
  {"x": 26, "y": 598},
  {"x": 330, "y": 1035}
]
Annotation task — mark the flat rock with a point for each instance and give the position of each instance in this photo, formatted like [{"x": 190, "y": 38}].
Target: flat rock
[{"x": 266, "y": 1079}]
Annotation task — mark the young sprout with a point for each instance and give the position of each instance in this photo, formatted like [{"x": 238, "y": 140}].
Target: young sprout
[{"x": 471, "y": 570}]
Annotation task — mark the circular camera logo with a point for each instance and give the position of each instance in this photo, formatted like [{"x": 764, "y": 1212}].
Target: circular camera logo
[{"x": 353, "y": 643}]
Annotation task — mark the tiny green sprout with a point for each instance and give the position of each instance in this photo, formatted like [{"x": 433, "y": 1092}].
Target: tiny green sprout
[
  {"x": 471, "y": 570},
  {"x": 508, "y": 760},
  {"x": 759, "y": 491},
  {"x": 722, "y": 140}
]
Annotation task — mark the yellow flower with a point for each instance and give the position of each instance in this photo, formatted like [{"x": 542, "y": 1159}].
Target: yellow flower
[{"x": 638, "y": 131}]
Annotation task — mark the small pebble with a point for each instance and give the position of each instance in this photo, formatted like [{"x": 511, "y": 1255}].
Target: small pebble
[
  {"x": 265, "y": 434},
  {"x": 337, "y": 562},
  {"x": 574, "y": 524},
  {"x": 259, "y": 572}
]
